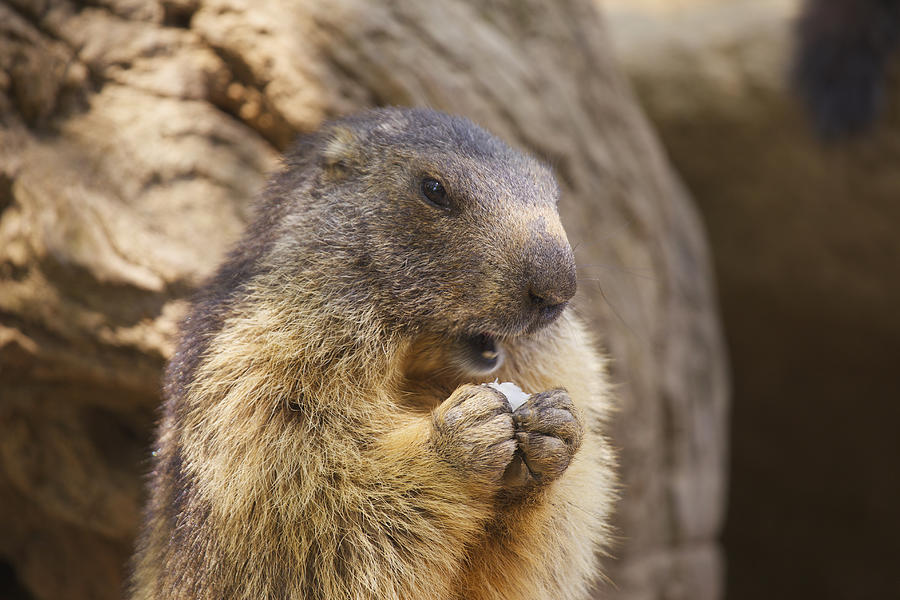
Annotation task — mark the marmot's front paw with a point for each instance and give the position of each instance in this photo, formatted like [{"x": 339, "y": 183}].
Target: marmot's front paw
[
  {"x": 473, "y": 430},
  {"x": 549, "y": 431}
]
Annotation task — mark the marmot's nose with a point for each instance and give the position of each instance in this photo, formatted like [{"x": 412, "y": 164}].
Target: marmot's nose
[
  {"x": 551, "y": 283},
  {"x": 546, "y": 299}
]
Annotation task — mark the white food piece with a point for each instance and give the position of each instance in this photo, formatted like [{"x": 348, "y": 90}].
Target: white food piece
[{"x": 513, "y": 393}]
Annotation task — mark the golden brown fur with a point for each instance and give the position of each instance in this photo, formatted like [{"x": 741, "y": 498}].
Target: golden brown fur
[{"x": 322, "y": 436}]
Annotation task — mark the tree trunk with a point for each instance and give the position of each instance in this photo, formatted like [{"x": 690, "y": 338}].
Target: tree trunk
[{"x": 134, "y": 135}]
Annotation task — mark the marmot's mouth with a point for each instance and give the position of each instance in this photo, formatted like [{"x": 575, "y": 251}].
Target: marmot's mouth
[{"x": 482, "y": 353}]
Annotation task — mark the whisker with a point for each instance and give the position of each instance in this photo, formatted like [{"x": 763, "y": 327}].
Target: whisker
[
  {"x": 626, "y": 272},
  {"x": 616, "y": 313},
  {"x": 638, "y": 272}
]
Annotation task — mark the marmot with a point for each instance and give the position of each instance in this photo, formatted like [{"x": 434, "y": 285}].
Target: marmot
[{"x": 326, "y": 431}]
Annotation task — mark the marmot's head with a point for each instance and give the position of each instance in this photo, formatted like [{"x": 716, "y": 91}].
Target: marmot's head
[{"x": 441, "y": 228}]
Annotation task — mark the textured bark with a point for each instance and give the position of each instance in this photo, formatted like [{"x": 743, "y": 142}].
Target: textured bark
[{"x": 134, "y": 135}]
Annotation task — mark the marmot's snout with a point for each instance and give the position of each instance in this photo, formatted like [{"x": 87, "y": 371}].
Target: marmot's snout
[
  {"x": 544, "y": 284},
  {"x": 547, "y": 291},
  {"x": 549, "y": 278}
]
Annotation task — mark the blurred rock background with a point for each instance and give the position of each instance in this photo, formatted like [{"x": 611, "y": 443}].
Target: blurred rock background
[
  {"x": 804, "y": 235},
  {"x": 133, "y": 135}
]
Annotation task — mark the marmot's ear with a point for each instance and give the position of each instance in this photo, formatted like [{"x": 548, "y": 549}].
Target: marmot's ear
[{"x": 341, "y": 151}]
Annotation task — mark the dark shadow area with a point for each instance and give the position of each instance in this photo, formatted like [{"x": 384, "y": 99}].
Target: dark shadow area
[
  {"x": 814, "y": 487},
  {"x": 806, "y": 253},
  {"x": 10, "y": 587}
]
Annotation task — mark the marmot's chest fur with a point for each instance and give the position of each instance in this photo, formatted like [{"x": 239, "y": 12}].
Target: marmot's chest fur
[{"x": 325, "y": 433}]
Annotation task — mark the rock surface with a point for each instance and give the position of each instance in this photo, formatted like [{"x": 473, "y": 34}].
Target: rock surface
[
  {"x": 133, "y": 135},
  {"x": 804, "y": 237}
]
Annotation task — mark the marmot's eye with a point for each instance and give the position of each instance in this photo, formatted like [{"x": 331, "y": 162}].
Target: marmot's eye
[{"x": 435, "y": 192}]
